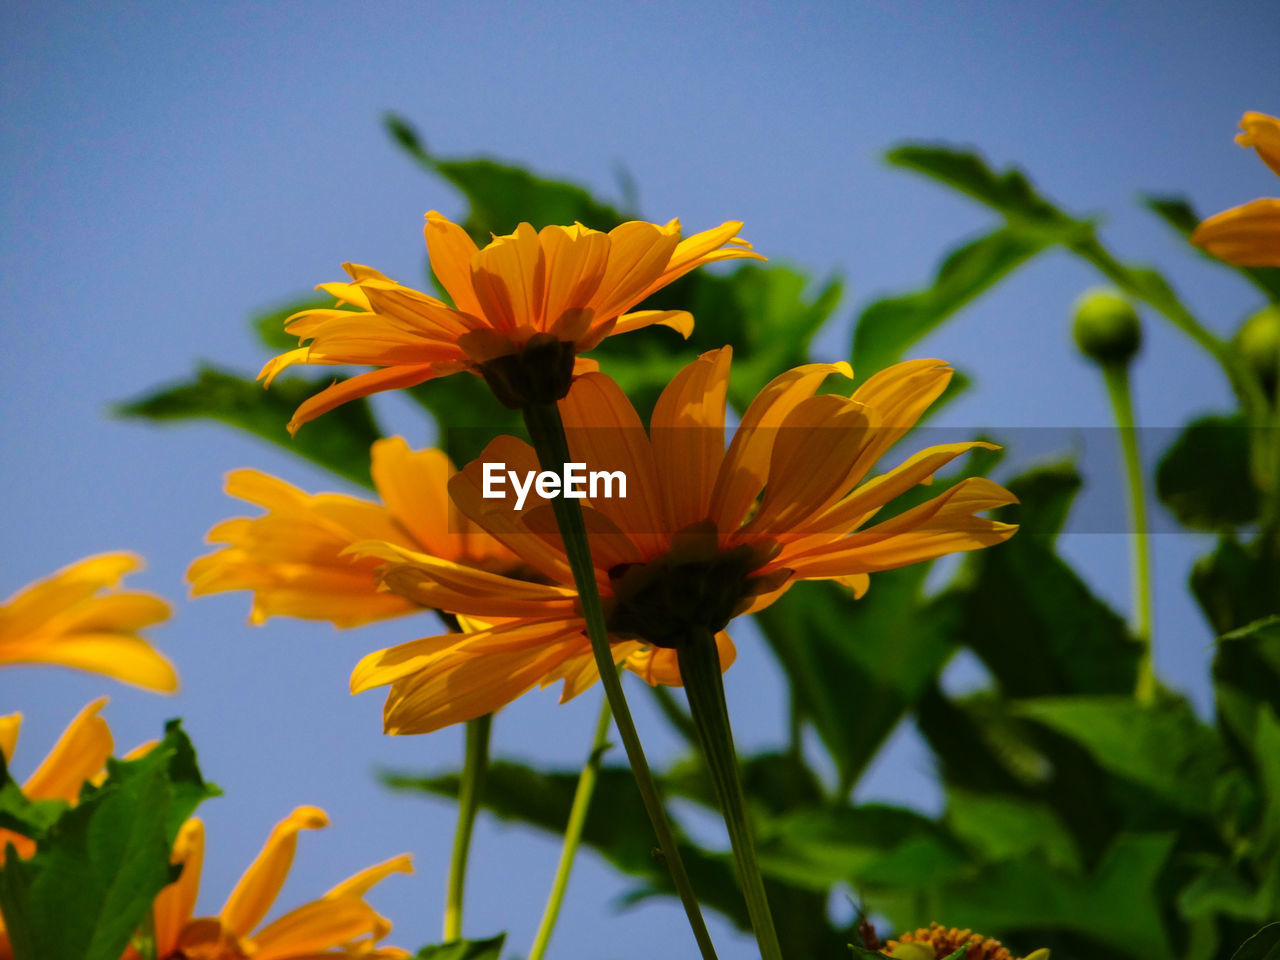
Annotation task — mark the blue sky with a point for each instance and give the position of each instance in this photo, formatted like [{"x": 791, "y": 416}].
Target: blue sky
[{"x": 172, "y": 168}]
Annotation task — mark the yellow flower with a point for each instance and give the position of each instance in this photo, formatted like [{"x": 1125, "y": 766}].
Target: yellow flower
[
  {"x": 703, "y": 534},
  {"x": 79, "y": 755},
  {"x": 523, "y": 308},
  {"x": 74, "y": 619},
  {"x": 937, "y": 943},
  {"x": 1249, "y": 235},
  {"x": 294, "y": 557},
  {"x": 338, "y": 924}
]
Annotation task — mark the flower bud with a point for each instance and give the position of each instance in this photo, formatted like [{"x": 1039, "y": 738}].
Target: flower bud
[
  {"x": 1258, "y": 341},
  {"x": 1106, "y": 327}
]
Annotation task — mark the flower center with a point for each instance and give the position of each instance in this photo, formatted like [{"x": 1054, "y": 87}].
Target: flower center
[{"x": 672, "y": 600}]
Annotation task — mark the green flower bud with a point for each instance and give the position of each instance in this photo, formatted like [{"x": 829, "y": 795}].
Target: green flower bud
[
  {"x": 1258, "y": 340},
  {"x": 1106, "y": 327}
]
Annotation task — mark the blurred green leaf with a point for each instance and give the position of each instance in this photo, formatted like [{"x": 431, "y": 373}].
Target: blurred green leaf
[
  {"x": 775, "y": 783},
  {"x": 466, "y": 413},
  {"x": 1263, "y": 945},
  {"x": 1116, "y": 905},
  {"x": 1246, "y": 676},
  {"x": 1178, "y": 213},
  {"x": 99, "y": 867},
  {"x": 490, "y": 949},
  {"x": 1236, "y": 584},
  {"x": 855, "y": 666},
  {"x": 1162, "y": 747},
  {"x": 1204, "y": 477},
  {"x": 1009, "y": 827},
  {"x": 886, "y": 328},
  {"x": 340, "y": 443},
  {"x": 500, "y": 196},
  {"x": 1009, "y": 192},
  {"x": 30, "y": 818},
  {"x": 617, "y": 828}
]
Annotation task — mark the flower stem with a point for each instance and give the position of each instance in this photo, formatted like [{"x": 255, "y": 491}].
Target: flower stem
[
  {"x": 1117, "y": 380},
  {"x": 546, "y": 429},
  {"x": 474, "y": 766},
  {"x": 704, "y": 686},
  {"x": 573, "y": 831}
]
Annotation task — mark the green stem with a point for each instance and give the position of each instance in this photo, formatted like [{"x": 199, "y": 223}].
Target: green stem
[
  {"x": 546, "y": 429},
  {"x": 704, "y": 686},
  {"x": 474, "y": 766},
  {"x": 1117, "y": 380},
  {"x": 573, "y": 831}
]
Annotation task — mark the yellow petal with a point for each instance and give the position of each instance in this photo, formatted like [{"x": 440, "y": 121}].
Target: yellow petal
[
  {"x": 80, "y": 752},
  {"x": 1248, "y": 235},
  {"x": 376, "y": 381},
  {"x": 507, "y": 277},
  {"x": 364, "y": 881},
  {"x": 659, "y": 665},
  {"x": 1261, "y": 132},
  {"x": 316, "y": 927},
  {"x": 415, "y": 488},
  {"x": 450, "y": 250},
  {"x": 746, "y": 464},
  {"x": 261, "y": 883},
  {"x": 36, "y": 603},
  {"x": 687, "y": 434},
  {"x": 575, "y": 262},
  {"x": 174, "y": 907},
  {"x": 129, "y": 659},
  {"x": 680, "y": 321},
  {"x": 638, "y": 253},
  {"x": 9, "y": 727}
]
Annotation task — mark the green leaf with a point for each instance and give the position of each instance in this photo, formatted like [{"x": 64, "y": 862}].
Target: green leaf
[
  {"x": 854, "y": 667},
  {"x": 1263, "y": 945},
  {"x": 490, "y": 949},
  {"x": 1178, "y": 213},
  {"x": 1236, "y": 584},
  {"x": 886, "y": 328},
  {"x": 1246, "y": 676},
  {"x": 617, "y": 828},
  {"x": 1009, "y": 192},
  {"x": 1001, "y": 827},
  {"x": 30, "y": 818},
  {"x": 99, "y": 867},
  {"x": 467, "y": 414},
  {"x": 341, "y": 443},
  {"x": 1205, "y": 478},
  {"x": 1162, "y": 747},
  {"x": 500, "y": 196}
]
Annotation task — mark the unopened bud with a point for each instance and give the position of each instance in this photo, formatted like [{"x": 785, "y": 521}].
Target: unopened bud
[
  {"x": 1106, "y": 327},
  {"x": 1258, "y": 341}
]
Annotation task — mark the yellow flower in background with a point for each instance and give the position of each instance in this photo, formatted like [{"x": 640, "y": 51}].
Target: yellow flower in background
[
  {"x": 75, "y": 618},
  {"x": 1249, "y": 235},
  {"x": 295, "y": 559},
  {"x": 704, "y": 534},
  {"x": 937, "y": 943},
  {"x": 556, "y": 292},
  {"x": 80, "y": 754},
  {"x": 338, "y": 924}
]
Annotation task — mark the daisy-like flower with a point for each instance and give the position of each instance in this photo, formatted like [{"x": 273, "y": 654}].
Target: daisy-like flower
[
  {"x": 1249, "y": 235},
  {"x": 937, "y": 942},
  {"x": 80, "y": 754},
  {"x": 524, "y": 308},
  {"x": 339, "y": 924},
  {"x": 295, "y": 557},
  {"x": 76, "y": 618},
  {"x": 703, "y": 534}
]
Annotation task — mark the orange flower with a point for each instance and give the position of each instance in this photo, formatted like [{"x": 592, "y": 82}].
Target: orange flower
[
  {"x": 937, "y": 942},
  {"x": 73, "y": 619},
  {"x": 339, "y": 924},
  {"x": 80, "y": 754},
  {"x": 295, "y": 557},
  {"x": 703, "y": 534},
  {"x": 523, "y": 308},
  {"x": 1248, "y": 235}
]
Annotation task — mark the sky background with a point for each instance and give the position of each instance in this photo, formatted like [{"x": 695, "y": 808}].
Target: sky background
[{"x": 170, "y": 169}]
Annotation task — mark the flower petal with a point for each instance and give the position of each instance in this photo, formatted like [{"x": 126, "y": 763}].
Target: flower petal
[
  {"x": 451, "y": 250},
  {"x": 687, "y": 434},
  {"x": 80, "y": 753},
  {"x": 1248, "y": 235},
  {"x": 175, "y": 905},
  {"x": 261, "y": 883}
]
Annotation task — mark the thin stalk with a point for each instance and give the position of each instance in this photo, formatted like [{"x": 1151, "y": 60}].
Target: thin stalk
[
  {"x": 546, "y": 429},
  {"x": 704, "y": 686},
  {"x": 474, "y": 767},
  {"x": 1117, "y": 380},
  {"x": 573, "y": 831}
]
